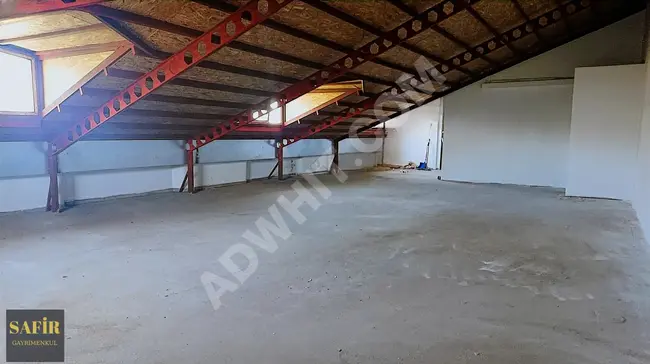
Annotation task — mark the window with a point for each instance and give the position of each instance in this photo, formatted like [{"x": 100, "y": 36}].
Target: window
[{"x": 16, "y": 84}]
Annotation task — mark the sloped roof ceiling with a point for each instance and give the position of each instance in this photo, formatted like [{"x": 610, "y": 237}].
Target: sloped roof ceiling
[{"x": 301, "y": 38}]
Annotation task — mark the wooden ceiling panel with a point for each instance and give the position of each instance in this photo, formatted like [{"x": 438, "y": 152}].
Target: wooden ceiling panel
[
  {"x": 401, "y": 56},
  {"x": 306, "y": 18},
  {"x": 421, "y": 5},
  {"x": 44, "y": 23},
  {"x": 466, "y": 28},
  {"x": 145, "y": 64},
  {"x": 435, "y": 43},
  {"x": 501, "y": 15},
  {"x": 380, "y": 14},
  {"x": 534, "y": 8},
  {"x": 94, "y": 36}
]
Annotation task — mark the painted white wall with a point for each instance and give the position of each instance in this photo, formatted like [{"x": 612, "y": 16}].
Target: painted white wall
[
  {"x": 95, "y": 170},
  {"x": 641, "y": 201},
  {"x": 409, "y": 134},
  {"x": 605, "y": 126},
  {"x": 521, "y": 135},
  {"x": 511, "y": 135}
]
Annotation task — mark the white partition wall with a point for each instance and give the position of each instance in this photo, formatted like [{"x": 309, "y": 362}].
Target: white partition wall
[
  {"x": 511, "y": 130},
  {"x": 605, "y": 126}
]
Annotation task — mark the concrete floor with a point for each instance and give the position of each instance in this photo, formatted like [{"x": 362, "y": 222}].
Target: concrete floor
[{"x": 392, "y": 268}]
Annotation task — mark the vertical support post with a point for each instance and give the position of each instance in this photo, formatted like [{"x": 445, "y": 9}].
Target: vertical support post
[
  {"x": 190, "y": 169},
  {"x": 280, "y": 143},
  {"x": 279, "y": 153},
  {"x": 334, "y": 168},
  {"x": 53, "y": 169}
]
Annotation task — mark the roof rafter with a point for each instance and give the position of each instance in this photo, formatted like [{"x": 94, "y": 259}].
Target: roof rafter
[
  {"x": 522, "y": 13},
  {"x": 492, "y": 29},
  {"x": 28, "y": 7},
  {"x": 485, "y": 48},
  {"x": 533, "y": 24},
  {"x": 371, "y": 29},
  {"x": 202, "y": 47},
  {"x": 270, "y": 23},
  {"x": 121, "y": 15},
  {"x": 373, "y": 49}
]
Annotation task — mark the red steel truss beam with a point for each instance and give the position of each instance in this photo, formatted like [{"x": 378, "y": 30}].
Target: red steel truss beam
[
  {"x": 484, "y": 48},
  {"x": 353, "y": 59},
  {"x": 27, "y": 7},
  {"x": 601, "y": 23},
  {"x": 199, "y": 49}
]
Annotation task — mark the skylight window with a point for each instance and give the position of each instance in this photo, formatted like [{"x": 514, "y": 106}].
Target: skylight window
[{"x": 16, "y": 84}]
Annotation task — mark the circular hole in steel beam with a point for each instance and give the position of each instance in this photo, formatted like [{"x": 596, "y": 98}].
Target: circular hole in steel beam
[
  {"x": 215, "y": 38},
  {"x": 96, "y": 118},
  {"x": 78, "y": 129},
  {"x": 201, "y": 48},
  {"x": 148, "y": 83},
  {"x": 263, "y": 6},
  {"x": 231, "y": 28},
  {"x": 160, "y": 75},
  {"x": 188, "y": 57},
  {"x": 107, "y": 111},
  {"x": 246, "y": 17},
  {"x": 87, "y": 124},
  {"x": 70, "y": 136},
  {"x": 127, "y": 98},
  {"x": 116, "y": 105}
]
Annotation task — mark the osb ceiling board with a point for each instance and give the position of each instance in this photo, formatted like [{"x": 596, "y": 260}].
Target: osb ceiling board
[
  {"x": 501, "y": 55},
  {"x": 114, "y": 83},
  {"x": 95, "y": 36},
  {"x": 145, "y": 64},
  {"x": 454, "y": 76},
  {"x": 96, "y": 101},
  {"x": 375, "y": 70},
  {"x": 534, "y": 8},
  {"x": 172, "y": 43},
  {"x": 380, "y": 14},
  {"x": 281, "y": 42},
  {"x": 478, "y": 65},
  {"x": 44, "y": 23},
  {"x": 256, "y": 62},
  {"x": 401, "y": 56},
  {"x": 59, "y": 74},
  {"x": 421, "y": 5},
  {"x": 501, "y": 15},
  {"x": 434, "y": 43},
  {"x": 162, "y": 40},
  {"x": 526, "y": 43},
  {"x": 306, "y": 18},
  {"x": 466, "y": 28},
  {"x": 181, "y": 12},
  {"x": 553, "y": 31},
  {"x": 374, "y": 88}
]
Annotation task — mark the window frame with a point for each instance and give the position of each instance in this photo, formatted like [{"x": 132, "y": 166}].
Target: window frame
[{"x": 36, "y": 77}]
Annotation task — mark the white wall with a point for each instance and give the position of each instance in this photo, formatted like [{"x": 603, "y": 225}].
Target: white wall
[
  {"x": 409, "y": 134},
  {"x": 521, "y": 135},
  {"x": 605, "y": 126},
  {"x": 642, "y": 199},
  {"x": 510, "y": 135},
  {"x": 100, "y": 169}
]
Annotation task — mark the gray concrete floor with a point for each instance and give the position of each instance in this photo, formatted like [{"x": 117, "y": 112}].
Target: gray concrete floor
[{"x": 392, "y": 268}]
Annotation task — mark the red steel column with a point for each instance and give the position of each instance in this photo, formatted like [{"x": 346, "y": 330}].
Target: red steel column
[
  {"x": 190, "y": 170},
  {"x": 53, "y": 169},
  {"x": 279, "y": 144},
  {"x": 334, "y": 168}
]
